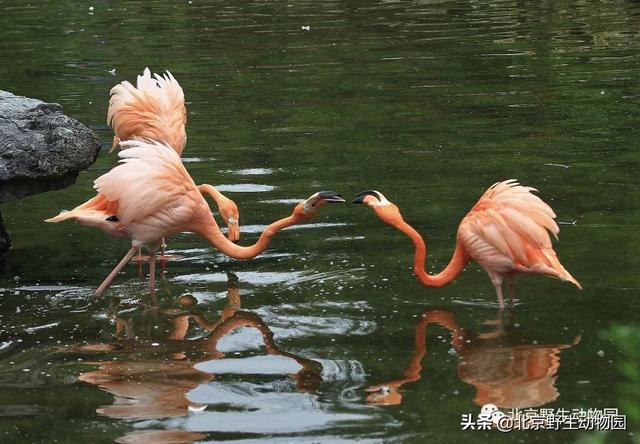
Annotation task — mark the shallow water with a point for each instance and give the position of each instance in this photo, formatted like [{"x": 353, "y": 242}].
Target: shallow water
[{"x": 429, "y": 102}]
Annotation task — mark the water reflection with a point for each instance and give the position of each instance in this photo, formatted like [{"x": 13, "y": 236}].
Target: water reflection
[
  {"x": 169, "y": 363},
  {"x": 505, "y": 369}
]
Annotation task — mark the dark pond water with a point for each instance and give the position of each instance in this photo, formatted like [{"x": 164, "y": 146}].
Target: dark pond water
[{"x": 428, "y": 101}]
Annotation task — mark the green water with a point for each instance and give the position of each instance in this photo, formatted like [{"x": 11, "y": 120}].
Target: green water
[{"x": 428, "y": 101}]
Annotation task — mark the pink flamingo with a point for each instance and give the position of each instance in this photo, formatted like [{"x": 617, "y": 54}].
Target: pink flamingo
[
  {"x": 155, "y": 110},
  {"x": 150, "y": 195},
  {"x": 506, "y": 233}
]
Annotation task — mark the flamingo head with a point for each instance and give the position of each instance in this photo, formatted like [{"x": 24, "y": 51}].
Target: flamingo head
[
  {"x": 231, "y": 216},
  {"x": 387, "y": 211},
  {"x": 306, "y": 210}
]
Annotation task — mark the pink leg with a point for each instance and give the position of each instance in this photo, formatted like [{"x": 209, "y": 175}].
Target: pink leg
[
  {"x": 152, "y": 277},
  {"x": 496, "y": 280},
  {"x": 127, "y": 257},
  {"x": 163, "y": 258},
  {"x": 152, "y": 273},
  {"x": 499, "y": 294}
]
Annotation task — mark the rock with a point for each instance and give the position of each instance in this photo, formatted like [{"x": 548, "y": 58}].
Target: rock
[
  {"x": 5, "y": 241},
  {"x": 41, "y": 149}
]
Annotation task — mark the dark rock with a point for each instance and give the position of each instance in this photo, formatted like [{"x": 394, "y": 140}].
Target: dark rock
[
  {"x": 40, "y": 148},
  {"x": 5, "y": 241}
]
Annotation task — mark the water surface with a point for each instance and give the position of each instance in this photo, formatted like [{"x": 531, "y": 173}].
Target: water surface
[{"x": 429, "y": 102}]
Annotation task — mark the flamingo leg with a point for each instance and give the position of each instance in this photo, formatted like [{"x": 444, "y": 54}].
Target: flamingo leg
[
  {"x": 127, "y": 257},
  {"x": 499, "y": 294},
  {"x": 152, "y": 273},
  {"x": 163, "y": 258},
  {"x": 152, "y": 277},
  {"x": 496, "y": 280}
]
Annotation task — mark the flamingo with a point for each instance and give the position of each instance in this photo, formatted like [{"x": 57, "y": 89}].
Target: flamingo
[
  {"x": 150, "y": 196},
  {"x": 506, "y": 233},
  {"x": 155, "y": 109}
]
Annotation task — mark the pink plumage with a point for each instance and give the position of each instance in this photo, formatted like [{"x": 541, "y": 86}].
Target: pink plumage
[
  {"x": 150, "y": 193},
  {"x": 507, "y": 230},
  {"x": 153, "y": 109}
]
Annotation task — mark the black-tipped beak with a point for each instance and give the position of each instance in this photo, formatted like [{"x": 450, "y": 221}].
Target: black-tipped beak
[
  {"x": 360, "y": 196},
  {"x": 329, "y": 196}
]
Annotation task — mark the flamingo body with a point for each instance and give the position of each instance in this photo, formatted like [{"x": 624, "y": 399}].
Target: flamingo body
[
  {"x": 165, "y": 200},
  {"x": 506, "y": 233},
  {"x": 155, "y": 109},
  {"x": 150, "y": 196}
]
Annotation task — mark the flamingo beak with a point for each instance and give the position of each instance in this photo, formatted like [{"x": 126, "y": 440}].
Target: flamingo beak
[
  {"x": 330, "y": 196},
  {"x": 233, "y": 227},
  {"x": 325, "y": 196},
  {"x": 359, "y": 199},
  {"x": 320, "y": 198}
]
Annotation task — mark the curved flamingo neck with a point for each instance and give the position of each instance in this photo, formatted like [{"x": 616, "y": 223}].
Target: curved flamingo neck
[
  {"x": 216, "y": 195},
  {"x": 209, "y": 229},
  {"x": 459, "y": 259}
]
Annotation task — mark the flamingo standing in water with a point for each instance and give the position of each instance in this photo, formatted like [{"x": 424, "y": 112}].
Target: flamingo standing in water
[
  {"x": 155, "y": 110},
  {"x": 150, "y": 196},
  {"x": 506, "y": 232}
]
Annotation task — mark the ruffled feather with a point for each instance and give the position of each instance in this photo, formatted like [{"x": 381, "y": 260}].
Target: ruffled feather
[
  {"x": 154, "y": 109},
  {"x": 509, "y": 228}
]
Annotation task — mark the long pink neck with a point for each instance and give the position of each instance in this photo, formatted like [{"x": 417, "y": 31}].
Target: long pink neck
[
  {"x": 216, "y": 195},
  {"x": 209, "y": 229},
  {"x": 456, "y": 264}
]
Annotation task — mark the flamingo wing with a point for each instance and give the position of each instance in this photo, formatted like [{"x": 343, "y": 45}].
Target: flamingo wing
[
  {"x": 508, "y": 230},
  {"x": 150, "y": 180},
  {"x": 153, "y": 109}
]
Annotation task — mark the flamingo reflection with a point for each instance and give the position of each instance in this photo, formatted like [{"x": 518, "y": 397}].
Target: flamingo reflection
[
  {"x": 504, "y": 374},
  {"x": 154, "y": 379}
]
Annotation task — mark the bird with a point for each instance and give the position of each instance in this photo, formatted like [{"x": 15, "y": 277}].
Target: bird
[
  {"x": 155, "y": 109},
  {"x": 506, "y": 233},
  {"x": 150, "y": 195}
]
